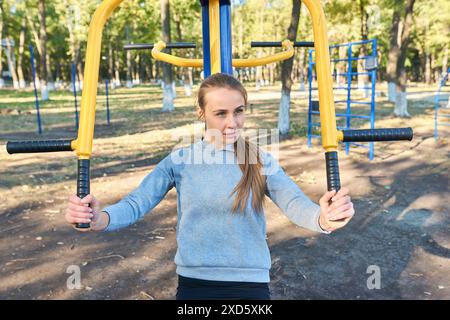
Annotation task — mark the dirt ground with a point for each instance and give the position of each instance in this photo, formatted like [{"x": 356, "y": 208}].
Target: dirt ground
[{"x": 401, "y": 226}]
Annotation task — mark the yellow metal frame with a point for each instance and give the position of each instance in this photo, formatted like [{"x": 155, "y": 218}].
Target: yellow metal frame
[
  {"x": 330, "y": 136},
  {"x": 325, "y": 82},
  {"x": 288, "y": 53},
  {"x": 214, "y": 35},
  {"x": 83, "y": 143},
  {"x": 177, "y": 61},
  {"x": 239, "y": 63}
]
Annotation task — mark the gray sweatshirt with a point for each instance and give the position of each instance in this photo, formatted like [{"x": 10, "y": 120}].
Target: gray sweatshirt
[{"x": 214, "y": 243}]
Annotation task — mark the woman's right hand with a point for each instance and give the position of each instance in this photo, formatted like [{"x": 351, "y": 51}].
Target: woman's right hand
[{"x": 78, "y": 211}]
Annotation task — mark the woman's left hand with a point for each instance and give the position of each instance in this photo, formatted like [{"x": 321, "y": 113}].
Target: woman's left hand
[{"x": 337, "y": 213}]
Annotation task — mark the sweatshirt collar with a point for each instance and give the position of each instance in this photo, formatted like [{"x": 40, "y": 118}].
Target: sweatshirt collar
[{"x": 228, "y": 147}]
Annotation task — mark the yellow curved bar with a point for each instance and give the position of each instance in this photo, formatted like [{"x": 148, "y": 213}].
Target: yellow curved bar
[
  {"x": 323, "y": 69},
  {"x": 239, "y": 63},
  {"x": 177, "y": 61},
  {"x": 85, "y": 137}
]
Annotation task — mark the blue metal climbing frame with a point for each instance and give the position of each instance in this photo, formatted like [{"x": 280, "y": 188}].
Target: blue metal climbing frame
[
  {"x": 370, "y": 66},
  {"x": 437, "y": 105}
]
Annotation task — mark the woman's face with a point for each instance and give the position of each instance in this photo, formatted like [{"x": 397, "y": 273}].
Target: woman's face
[{"x": 224, "y": 115}]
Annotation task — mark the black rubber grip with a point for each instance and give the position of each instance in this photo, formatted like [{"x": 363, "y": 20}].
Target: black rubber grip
[
  {"x": 367, "y": 135},
  {"x": 175, "y": 45},
  {"x": 333, "y": 180},
  {"x": 277, "y": 44},
  {"x": 38, "y": 146},
  {"x": 83, "y": 185}
]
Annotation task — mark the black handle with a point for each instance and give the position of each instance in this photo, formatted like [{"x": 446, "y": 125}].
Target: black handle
[
  {"x": 267, "y": 44},
  {"x": 366, "y": 135},
  {"x": 38, "y": 146},
  {"x": 83, "y": 185},
  {"x": 333, "y": 180},
  {"x": 175, "y": 45}
]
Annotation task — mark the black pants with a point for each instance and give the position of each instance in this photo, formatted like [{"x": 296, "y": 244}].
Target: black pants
[{"x": 197, "y": 289}]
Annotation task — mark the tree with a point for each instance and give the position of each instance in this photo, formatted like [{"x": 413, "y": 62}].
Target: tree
[
  {"x": 402, "y": 21},
  {"x": 71, "y": 11},
  {"x": 43, "y": 51},
  {"x": 129, "y": 66},
  {"x": 9, "y": 44},
  {"x": 2, "y": 83},
  {"x": 286, "y": 71},
  {"x": 363, "y": 79},
  {"x": 431, "y": 37},
  {"x": 167, "y": 84},
  {"x": 22, "y": 83}
]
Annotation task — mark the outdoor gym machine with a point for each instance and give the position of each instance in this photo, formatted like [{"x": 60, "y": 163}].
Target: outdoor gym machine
[{"x": 217, "y": 58}]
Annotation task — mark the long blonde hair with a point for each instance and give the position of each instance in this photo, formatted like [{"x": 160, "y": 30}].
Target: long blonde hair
[{"x": 252, "y": 178}]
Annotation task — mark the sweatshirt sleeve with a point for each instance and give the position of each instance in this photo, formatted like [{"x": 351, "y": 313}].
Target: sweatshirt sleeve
[
  {"x": 287, "y": 195},
  {"x": 143, "y": 199}
]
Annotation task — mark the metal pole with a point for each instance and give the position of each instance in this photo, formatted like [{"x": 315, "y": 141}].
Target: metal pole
[
  {"x": 107, "y": 103},
  {"x": 36, "y": 98}
]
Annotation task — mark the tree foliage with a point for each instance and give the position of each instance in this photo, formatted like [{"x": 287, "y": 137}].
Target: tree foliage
[{"x": 139, "y": 21}]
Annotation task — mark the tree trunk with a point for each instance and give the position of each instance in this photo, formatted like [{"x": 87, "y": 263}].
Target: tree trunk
[
  {"x": 2, "y": 82},
  {"x": 341, "y": 67},
  {"x": 427, "y": 67},
  {"x": 435, "y": 75},
  {"x": 157, "y": 71},
  {"x": 394, "y": 52},
  {"x": 187, "y": 72},
  {"x": 110, "y": 65},
  {"x": 363, "y": 79},
  {"x": 51, "y": 81},
  {"x": 10, "y": 56},
  {"x": 401, "y": 104},
  {"x": 240, "y": 36},
  {"x": 141, "y": 66},
  {"x": 43, "y": 53},
  {"x": 149, "y": 68},
  {"x": 445, "y": 59},
  {"x": 117, "y": 64},
  {"x": 301, "y": 69},
  {"x": 427, "y": 53},
  {"x": 59, "y": 75},
  {"x": 80, "y": 70},
  {"x": 74, "y": 47},
  {"x": 129, "y": 80},
  {"x": 168, "y": 90},
  {"x": 129, "y": 62},
  {"x": 22, "y": 83},
  {"x": 401, "y": 101},
  {"x": 11, "y": 62},
  {"x": 258, "y": 73},
  {"x": 286, "y": 70},
  {"x": 272, "y": 69}
]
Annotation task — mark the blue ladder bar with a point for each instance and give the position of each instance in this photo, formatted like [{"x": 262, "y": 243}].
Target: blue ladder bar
[{"x": 349, "y": 86}]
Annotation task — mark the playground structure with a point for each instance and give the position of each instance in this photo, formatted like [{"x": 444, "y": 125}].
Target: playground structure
[
  {"x": 217, "y": 58},
  {"x": 438, "y": 115},
  {"x": 348, "y": 85}
]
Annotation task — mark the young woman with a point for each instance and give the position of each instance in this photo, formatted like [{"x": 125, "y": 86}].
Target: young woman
[{"x": 221, "y": 182}]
